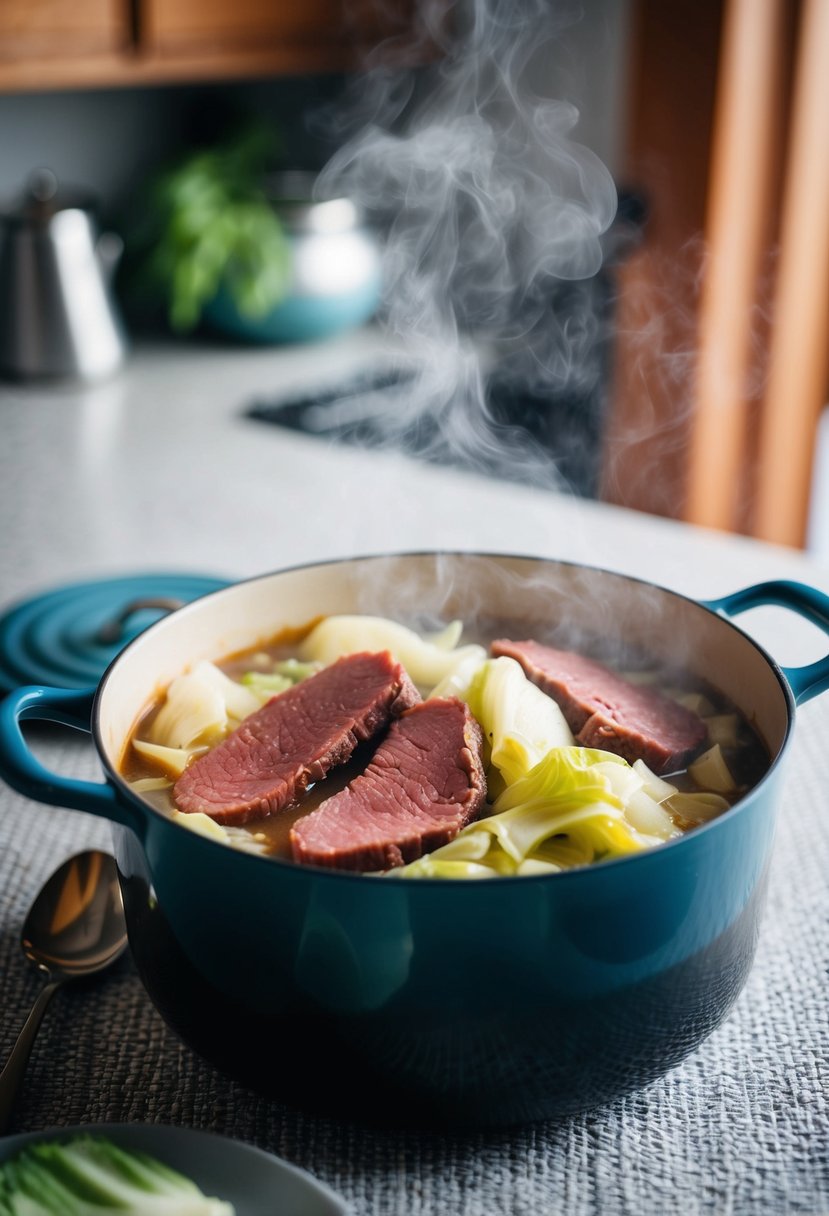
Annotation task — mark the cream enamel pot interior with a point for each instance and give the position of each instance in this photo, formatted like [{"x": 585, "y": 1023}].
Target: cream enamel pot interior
[{"x": 489, "y": 1002}]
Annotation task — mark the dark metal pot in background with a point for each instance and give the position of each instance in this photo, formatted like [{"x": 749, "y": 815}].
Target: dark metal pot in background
[{"x": 58, "y": 316}]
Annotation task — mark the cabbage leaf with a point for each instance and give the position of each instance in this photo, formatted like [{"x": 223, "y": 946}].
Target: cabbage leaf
[
  {"x": 266, "y": 684},
  {"x": 201, "y": 824},
  {"x": 711, "y": 772},
  {"x": 457, "y": 681},
  {"x": 173, "y": 760},
  {"x": 577, "y": 805},
  {"x": 149, "y": 785},
  {"x": 697, "y": 808},
  {"x": 427, "y": 661},
  {"x": 280, "y": 676},
  {"x": 447, "y": 638},
  {"x": 201, "y": 707},
  {"x": 295, "y": 670},
  {"x": 521, "y": 724}
]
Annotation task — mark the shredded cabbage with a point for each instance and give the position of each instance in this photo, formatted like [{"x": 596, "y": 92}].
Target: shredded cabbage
[
  {"x": 521, "y": 724},
  {"x": 295, "y": 670},
  {"x": 427, "y": 661},
  {"x": 711, "y": 772},
  {"x": 146, "y": 785},
  {"x": 281, "y": 676},
  {"x": 173, "y": 759},
  {"x": 697, "y": 808},
  {"x": 577, "y": 805},
  {"x": 457, "y": 682},
  {"x": 201, "y": 707},
  {"x": 448, "y": 638},
  {"x": 266, "y": 684},
  {"x": 201, "y": 824}
]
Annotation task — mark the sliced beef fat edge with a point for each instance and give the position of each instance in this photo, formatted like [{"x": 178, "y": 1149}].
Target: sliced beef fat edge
[
  {"x": 605, "y": 710},
  {"x": 296, "y": 739},
  {"x": 425, "y": 782}
]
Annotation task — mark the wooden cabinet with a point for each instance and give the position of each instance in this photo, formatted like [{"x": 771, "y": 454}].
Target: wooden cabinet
[
  {"x": 176, "y": 27},
  {"x": 53, "y": 44},
  {"x": 54, "y": 29}
]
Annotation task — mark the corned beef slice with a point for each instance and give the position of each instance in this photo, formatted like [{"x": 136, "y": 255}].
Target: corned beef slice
[
  {"x": 296, "y": 739},
  {"x": 425, "y": 782},
  {"x": 606, "y": 711}
]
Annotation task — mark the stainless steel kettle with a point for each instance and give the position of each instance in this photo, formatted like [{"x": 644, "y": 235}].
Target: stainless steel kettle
[{"x": 58, "y": 316}]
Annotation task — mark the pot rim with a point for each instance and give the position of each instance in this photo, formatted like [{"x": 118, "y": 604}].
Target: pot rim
[{"x": 644, "y": 856}]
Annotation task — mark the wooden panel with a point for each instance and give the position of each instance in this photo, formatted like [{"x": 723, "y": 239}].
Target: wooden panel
[
  {"x": 123, "y": 71},
  {"x": 46, "y": 29},
  {"x": 172, "y": 26},
  {"x": 797, "y": 383},
  {"x": 143, "y": 42},
  {"x": 739, "y": 235},
  {"x": 673, "y": 85}
]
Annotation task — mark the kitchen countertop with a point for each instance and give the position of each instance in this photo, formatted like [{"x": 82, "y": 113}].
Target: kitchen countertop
[{"x": 159, "y": 470}]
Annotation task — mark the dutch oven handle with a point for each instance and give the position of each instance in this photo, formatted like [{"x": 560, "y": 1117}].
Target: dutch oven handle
[
  {"x": 806, "y": 682},
  {"x": 23, "y": 772}
]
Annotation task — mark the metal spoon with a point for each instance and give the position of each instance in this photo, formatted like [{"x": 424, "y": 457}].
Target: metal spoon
[{"x": 74, "y": 928}]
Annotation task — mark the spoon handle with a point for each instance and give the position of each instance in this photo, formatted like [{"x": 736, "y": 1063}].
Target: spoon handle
[{"x": 12, "y": 1074}]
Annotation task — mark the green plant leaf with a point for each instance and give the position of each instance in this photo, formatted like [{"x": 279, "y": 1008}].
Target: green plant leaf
[{"x": 210, "y": 226}]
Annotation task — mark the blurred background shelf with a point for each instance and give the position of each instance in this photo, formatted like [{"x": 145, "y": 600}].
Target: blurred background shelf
[{"x": 61, "y": 44}]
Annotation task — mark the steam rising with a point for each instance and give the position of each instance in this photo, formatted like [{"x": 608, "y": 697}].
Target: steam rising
[{"x": 489, "y": 206}]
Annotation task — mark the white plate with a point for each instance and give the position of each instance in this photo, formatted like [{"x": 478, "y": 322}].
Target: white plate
[{"x": 255, "y": 1182}]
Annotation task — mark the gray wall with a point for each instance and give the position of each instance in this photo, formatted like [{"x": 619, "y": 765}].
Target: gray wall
[
  {"x": 590, "y": 68},
  {"x": 108, "y": 140}
]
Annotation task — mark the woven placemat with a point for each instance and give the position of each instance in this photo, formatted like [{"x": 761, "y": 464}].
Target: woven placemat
[{"x": 740, "y": 1127}]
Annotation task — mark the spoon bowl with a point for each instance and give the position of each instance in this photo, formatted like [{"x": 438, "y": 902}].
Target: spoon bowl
[{"x": 74, "y": 928}]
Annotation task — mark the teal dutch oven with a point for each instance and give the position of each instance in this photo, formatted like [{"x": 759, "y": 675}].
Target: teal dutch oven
[{"x": 424, "y": 1001}]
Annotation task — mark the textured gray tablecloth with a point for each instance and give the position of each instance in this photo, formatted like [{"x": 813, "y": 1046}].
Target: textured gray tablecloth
[{"x": 740, "y": 1127}]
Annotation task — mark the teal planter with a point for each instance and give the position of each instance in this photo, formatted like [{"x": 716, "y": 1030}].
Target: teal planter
[
  {"x": 298, "y": 318},
  {"x": 425, "y": 1001},
  {"x": 334, "y": 279}
]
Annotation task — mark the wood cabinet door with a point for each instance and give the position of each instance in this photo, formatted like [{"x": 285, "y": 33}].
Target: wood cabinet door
[
  {"x": 179, "y": 27},
  {"x": 49, "y": 44},
  {"x": 40, "y": 30}
]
